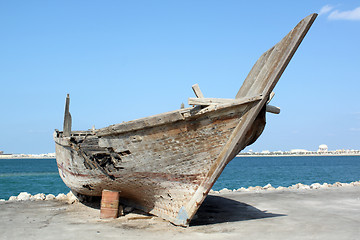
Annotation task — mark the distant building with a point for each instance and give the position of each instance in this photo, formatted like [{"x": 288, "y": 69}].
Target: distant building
[
  {"x": 278, "y": 152},
  {"x": 1, "y": 152},
  {"x": 298, "y": 151},
  {"x": 323, "y": 148}
]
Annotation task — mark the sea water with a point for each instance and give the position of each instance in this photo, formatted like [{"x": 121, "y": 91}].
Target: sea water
[
  {"x": 30, "y": 175},
  {"x": 287, "y": 171},
  {"x": 41, "y": 175}
]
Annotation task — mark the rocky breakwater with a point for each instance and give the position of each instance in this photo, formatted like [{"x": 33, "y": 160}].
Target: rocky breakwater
[
  {"x": 298, "y": 186},
  {"x": 24, "y": 196}
]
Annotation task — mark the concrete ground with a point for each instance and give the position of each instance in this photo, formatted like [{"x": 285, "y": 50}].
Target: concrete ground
[{"x": 332, "y": 213}]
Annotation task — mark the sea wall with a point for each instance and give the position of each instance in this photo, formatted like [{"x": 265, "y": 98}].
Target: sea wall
[{"x": 71, "y": 198}]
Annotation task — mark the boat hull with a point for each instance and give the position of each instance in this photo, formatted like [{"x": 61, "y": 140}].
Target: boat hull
[{"x": 156, "y": 169}]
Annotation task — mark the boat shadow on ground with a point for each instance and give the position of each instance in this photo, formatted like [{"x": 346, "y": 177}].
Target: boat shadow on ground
[{"x": 216, "y": 209}]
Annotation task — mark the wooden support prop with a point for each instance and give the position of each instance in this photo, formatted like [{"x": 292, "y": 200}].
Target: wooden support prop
[
  {"x": 109, "y": 204},
  {"x": 197, "y": 91}
]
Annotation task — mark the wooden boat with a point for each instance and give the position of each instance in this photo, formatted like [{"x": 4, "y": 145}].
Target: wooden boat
[{"x": 166, "y": 164}]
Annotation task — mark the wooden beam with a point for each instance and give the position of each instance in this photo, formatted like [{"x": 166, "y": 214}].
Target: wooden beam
[
  {"x": 208, "y": 101},
  {"x": 272, "y": 109},
  {"x": 212, "y": 101},
  {"x": 197, "y": 91}
]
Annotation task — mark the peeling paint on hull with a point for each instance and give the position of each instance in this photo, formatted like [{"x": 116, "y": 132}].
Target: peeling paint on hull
[{"x": 159, "y": 174}]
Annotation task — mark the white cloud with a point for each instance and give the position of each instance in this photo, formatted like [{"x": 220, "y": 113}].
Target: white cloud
[
  {"x": 345, "y": 15},
  {"x": 325, "y": 9}
]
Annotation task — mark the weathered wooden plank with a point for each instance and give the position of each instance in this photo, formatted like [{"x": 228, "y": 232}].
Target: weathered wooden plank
[
  {"x": 210, "y": 101},
  {"x": 197, "y": 91},
  {"x": 151, "y": 121},
  {"x": 219, "y": 107}
]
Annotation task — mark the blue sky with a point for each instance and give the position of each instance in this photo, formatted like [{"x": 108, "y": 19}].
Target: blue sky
[{"x": 122, "y": 60}]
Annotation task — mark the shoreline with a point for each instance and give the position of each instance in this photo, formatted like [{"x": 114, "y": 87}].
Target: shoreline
[
  {"x": 8, "y": 158},
  {"x": 239, "y": 155},
  {"x": 300, "y": 155},
  {"x": 24, "y": 196}
]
